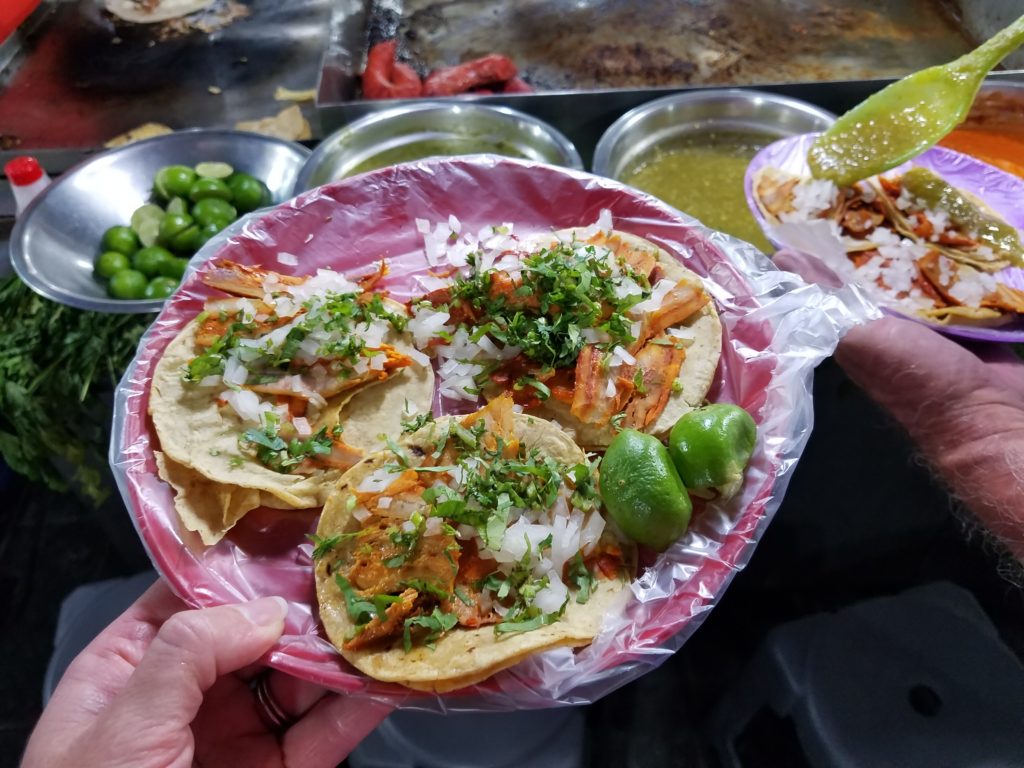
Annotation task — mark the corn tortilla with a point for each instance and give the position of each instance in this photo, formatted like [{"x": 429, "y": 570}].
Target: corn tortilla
[{"x": 462, "y": 656}]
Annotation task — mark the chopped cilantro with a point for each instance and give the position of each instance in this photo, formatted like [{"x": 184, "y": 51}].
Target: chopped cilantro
[
  {"x": 362, "y": 610},
  {"x": 437, "y": 623},
  {"x": 425, "y": 586},
  {"x": 563, "y": 289},
  {"x": 281, "y": 455},
  {"x": 581, "y": 577},
  {"x": 417, "y": 421},
  {"x": 638, "y": 381}
]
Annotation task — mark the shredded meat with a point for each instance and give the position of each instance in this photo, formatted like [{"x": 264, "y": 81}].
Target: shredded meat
[
  {"x": 472, "y": 569},
  {"x": 660, "y": 365},
  {"x": 591, "y": 403},
  {"x": 683, "y": 301},
  {"x": 376, "y": 630},
  {"x": 434, "y": 560}
]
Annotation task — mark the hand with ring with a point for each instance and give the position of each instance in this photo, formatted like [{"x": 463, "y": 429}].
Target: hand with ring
[{"x": 167, "y": 686}]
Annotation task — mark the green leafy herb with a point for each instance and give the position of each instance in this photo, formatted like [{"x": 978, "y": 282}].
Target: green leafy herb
[
  {"x": 281, "y": 455},
  {"x": 56, "y": 364},
  {"x": 437, "y": 623},
  {"x": 638, "y": 381},
  {"x": 361, "y": 610},
  {"x": 430, "y": 588},
  {"x": 581, "y": 576},
  {"x": 325, "y": 544},
  {"x": 527, "y": 625},
  {"x": 563, "y": 289},
  {"x": 417, "y": 422}
]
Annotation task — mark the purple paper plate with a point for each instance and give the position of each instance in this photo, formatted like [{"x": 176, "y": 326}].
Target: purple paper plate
[{"x": 1001, "y": 191}]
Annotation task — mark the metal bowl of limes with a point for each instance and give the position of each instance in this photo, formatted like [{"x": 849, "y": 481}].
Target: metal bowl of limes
[{"x": 125, "y": 202}]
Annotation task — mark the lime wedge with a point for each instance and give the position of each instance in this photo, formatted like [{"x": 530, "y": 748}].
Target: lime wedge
[
  {"x": 214, "y": 170},
  {"x": 177, "y": 205},
  {"x": 148, "y": 231},
  {"x": 146, "y": 213}
]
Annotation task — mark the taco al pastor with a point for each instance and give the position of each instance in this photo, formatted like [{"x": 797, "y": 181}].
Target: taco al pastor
[
  {"x": 465, "y": 547},
  {"x": 597, "y": 329},
  {"x": 254, "y": 394}
]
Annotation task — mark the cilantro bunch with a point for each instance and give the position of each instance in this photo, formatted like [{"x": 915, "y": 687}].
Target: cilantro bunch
[{"x": 57, "y": 368}]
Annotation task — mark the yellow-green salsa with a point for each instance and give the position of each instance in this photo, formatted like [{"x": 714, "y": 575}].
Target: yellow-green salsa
[{"x": 701, "y": 174}]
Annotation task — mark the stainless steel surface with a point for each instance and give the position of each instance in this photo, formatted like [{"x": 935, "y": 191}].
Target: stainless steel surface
[
  {"x": 584, "y": 115},
  {"x": 597, "y": 44},
  {"x": 56, "y": 240},
  {"x": 635, "y": 133},
  {"x": 345, "y": 150},
  {"x": 81, "y": 76}
]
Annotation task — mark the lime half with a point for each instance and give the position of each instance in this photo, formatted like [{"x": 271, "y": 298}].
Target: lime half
[{"x": 214, "y": 170}]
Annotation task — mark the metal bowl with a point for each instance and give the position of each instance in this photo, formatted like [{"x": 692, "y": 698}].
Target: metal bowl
[
  {"x": 508, "y": 131},
  {"x": 56, "y": 240},
  {"x": 638, "y": 131}
]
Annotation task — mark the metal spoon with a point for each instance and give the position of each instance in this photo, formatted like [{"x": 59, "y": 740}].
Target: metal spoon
[{"x": 908, "y": 116}]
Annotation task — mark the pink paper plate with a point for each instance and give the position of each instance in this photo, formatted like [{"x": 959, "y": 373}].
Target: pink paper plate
[
  {"x": 774, "y": 334},
  {"x": 1002, "y": 191}
]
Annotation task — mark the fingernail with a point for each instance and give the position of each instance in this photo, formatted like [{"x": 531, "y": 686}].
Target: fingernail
[{"x": 264, "y": 612}]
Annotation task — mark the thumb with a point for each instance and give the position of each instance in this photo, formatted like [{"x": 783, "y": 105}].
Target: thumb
[{"x": 190, "y": 651}]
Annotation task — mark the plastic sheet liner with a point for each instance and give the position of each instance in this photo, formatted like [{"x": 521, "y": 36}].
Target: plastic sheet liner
[
  {"x": 1001, "y": 191},
  {"x": 776, "y": 329}
]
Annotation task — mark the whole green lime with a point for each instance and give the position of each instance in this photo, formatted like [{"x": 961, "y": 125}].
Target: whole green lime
[
  {"x": 248, "y": 192},
  {"x": 178, "y": 231},
  {"x": 120, "y": 239},
  {"x": 173, "y": 181},
  {"x": 213, "y": 210},
  {"x": 148, "y": 261},
  {"x": 202, "y": 189},
  {"x": 160, "y": 287},
  {"x": 710, "y": 446},
  {"x": 127, "y": 284},
  {"x": 173, "y": 268},
  {"x": 110, "y": 263},
  {"x": 642, "y": 491},
  {"x": 207, "y": 232}
]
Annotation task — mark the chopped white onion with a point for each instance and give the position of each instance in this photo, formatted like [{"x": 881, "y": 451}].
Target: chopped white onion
[
  {"x": 384, "y": 502},
  {"x": 623, "y": 355},
  {"x": 302, "y": 426},
  {"x": 657, "y": 297},
  {"x": 234, "y": 372},
  {"x": 552, "y": 597},
  {"x": 360, "y": 513},
  {"x": 376, "y": 481},
  {"x": 289, "y": 259}
]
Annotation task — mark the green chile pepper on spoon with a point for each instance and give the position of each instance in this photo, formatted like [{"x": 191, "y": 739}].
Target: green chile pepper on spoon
[{"x": 908, "y": 116}]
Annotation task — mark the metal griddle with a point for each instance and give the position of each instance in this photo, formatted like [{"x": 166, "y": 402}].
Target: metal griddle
[
  {"x": 572, "y": 45},
  {"x": 76, "y": 77}
]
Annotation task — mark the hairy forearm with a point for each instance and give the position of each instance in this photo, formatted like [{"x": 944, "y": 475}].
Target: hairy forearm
[{"x": 964, "y": 415}]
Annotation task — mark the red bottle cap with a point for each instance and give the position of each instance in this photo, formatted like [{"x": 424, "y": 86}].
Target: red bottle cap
[{"x": 23, "y": 170}]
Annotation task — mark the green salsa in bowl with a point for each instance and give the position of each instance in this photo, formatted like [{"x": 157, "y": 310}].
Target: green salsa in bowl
[{"x": 691, "y": 150}]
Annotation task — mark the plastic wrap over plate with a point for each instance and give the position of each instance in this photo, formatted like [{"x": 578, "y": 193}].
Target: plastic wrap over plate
[
  {"x": 1001, "y": 191},
  {"x": 776, "y": 328}
]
